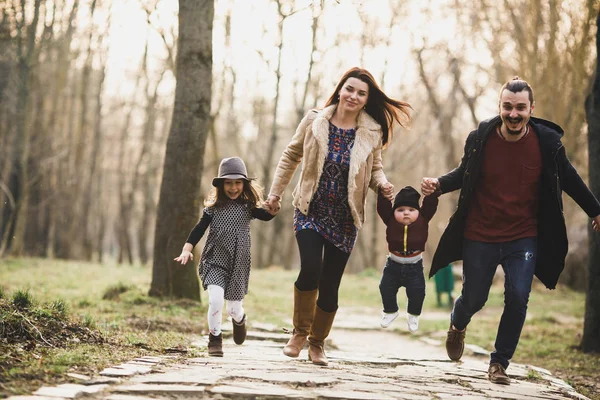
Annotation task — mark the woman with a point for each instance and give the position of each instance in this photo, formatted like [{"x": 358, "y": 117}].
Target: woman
[{"x": 341, "y": 146}]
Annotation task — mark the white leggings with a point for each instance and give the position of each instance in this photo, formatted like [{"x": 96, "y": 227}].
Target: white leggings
[{"x": 216, "y": 300}]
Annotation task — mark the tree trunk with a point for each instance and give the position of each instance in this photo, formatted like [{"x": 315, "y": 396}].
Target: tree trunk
[
  {"x": 591, "y": 328},
  {"x": 265, "y": 258},
  {"x": 179, "y": 201},
  {"x": 25, "y": 53}
]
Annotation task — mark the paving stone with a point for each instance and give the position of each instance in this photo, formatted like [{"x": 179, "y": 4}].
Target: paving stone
[
  {"x": 275, "y": 337},
  {"x": 241, "y": 390},
  {"x": 68, "y": 390},
  {"x": 153, "y": 389},
  {"x": 141, "y": 363},
  {"x": 265, "y": 327},
  {"x": 150, "y": 359},
  {"x": 137, "y": 367},
  {"x": 341, "y": 394},
  {"x": 127, "y": 369},
  {"x": 199, "y": 376},
  {"x": 79, "y": 376},
  {"x": 114, "y": 371},
  {"x": 517, "y": 390},
  {"x": 477, "y": 350},
  {"x": 118, "y": 396},
  {"x": 286, "y": 377}
]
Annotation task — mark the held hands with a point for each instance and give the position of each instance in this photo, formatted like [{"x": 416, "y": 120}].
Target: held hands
[
  {"x": 387, "y": 190},
  {"x": 596, "y": 223},
  {"x": 429, "y": 185},
  {"x": 273, "y": 204}
]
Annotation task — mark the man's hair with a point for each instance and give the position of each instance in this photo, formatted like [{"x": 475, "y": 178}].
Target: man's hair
[{"x": 517, "y": 85}]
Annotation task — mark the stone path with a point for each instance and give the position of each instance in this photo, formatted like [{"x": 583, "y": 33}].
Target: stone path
[{"x": 366, "y": 362}]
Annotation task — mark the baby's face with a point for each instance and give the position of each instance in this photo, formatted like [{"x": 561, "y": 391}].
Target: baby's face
[{"x": 406, "y": 215}]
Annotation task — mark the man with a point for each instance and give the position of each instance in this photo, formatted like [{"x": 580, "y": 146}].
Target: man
[{"x": 511, "y": 177}]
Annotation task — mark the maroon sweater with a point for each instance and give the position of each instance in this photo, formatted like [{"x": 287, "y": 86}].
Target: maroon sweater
[
  {"x": 505, "y": 201},
  {"x": 406, "y": 238}
]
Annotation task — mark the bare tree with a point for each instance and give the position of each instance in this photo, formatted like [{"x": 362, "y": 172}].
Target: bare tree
[
  {"x": 591, "y": 328},
  {"x": 26, "y": 50},
  {"x": 179, "y": 201}
]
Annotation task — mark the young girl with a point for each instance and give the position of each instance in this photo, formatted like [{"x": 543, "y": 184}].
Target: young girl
[{"x": 225, "y": 263}]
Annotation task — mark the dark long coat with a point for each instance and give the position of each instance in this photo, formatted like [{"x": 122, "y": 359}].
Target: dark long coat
[{"x": 557, "y": 175}]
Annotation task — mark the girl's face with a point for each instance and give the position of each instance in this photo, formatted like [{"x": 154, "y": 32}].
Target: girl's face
[
  {"x": 233, "y": 188},
  {"x": 406, "y": 215},
  {"x": 354, "y": 95}
]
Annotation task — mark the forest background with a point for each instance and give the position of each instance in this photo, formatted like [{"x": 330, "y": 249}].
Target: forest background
[{"x": 87, "y": 89}]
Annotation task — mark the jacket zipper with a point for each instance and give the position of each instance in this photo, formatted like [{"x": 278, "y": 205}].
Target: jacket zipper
[{"x": 558, "y": 180}]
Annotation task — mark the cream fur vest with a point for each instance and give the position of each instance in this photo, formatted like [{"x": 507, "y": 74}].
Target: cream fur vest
[{"x": 310, "y": 145}]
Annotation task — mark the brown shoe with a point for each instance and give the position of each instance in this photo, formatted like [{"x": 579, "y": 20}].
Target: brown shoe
[
  {"x": 455, "y": 343},
  {"x": 215, "y": 345},
  {"x": 497, "y": 374},
  {"x": 319, "y": 331},
  {"x": 304, "y": 311},
  {"x": 239, "y": 330}
]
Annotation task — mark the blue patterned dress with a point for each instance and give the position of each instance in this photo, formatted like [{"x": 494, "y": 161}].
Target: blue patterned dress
[{"x": 329, "y": 212}]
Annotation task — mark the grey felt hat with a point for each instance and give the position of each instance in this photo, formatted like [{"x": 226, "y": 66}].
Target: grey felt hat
[{"x": 231, "y": 168}]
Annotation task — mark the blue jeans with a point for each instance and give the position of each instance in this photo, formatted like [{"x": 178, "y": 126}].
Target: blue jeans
[
  {"x": 396, "y": 275},
  {"x": 480, "y": 261}
]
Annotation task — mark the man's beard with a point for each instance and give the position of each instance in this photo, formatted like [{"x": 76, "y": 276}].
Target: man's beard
[{"x": 514, "y": 121}]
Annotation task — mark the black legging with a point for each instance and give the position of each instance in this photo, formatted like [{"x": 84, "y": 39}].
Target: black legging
[{"x": 321, "y": 266}]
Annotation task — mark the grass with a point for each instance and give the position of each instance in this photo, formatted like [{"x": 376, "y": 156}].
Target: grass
[{"x": 111, "y": 301}]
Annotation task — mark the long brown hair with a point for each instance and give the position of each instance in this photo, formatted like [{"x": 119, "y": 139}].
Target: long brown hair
[
  {"x": 383, "y": 109},
  {"x": 252, "y": 194}
]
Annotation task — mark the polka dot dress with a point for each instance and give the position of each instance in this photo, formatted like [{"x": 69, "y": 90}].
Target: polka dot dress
[{"x": 225, "y": 260}]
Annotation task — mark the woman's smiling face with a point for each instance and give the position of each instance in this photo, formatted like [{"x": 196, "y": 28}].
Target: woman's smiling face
[{"x": 354, "y": 95}]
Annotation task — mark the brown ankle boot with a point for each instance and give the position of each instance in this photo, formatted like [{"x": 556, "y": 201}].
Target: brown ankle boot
[
  {"x": 239, "y": 330},
  {"x": 304, "y": 310},
  {"x": 319, "y": 331},
  {"x": 215, "y": 345}
]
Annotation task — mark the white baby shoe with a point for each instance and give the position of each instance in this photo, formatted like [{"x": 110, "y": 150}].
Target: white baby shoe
[
  {"x": 388, "y": 318},
  {"x": 413, "y": 322}
]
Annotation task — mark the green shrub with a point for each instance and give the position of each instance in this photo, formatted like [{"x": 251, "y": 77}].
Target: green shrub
[
  {"x": 113, "y": 292},
  {"x": 59, "y": 307},
  {"x": 89, "y": 322},
  {"x": 22, "y": 299}
]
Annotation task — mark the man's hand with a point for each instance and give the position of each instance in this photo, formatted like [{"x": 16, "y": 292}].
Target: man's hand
[
  {"x": 429, "y": 185},
  {"x": 596, "y": 223}
]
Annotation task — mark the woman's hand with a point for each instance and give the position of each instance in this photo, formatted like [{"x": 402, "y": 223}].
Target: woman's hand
[
  {"x": 387, "y": 190},
  {"x": 273, "y": 204}
]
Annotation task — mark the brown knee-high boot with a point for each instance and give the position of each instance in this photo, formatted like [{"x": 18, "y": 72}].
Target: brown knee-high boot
[
  {"x": 318, "y": 333},
  {"x": 304, "y": 310}
]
